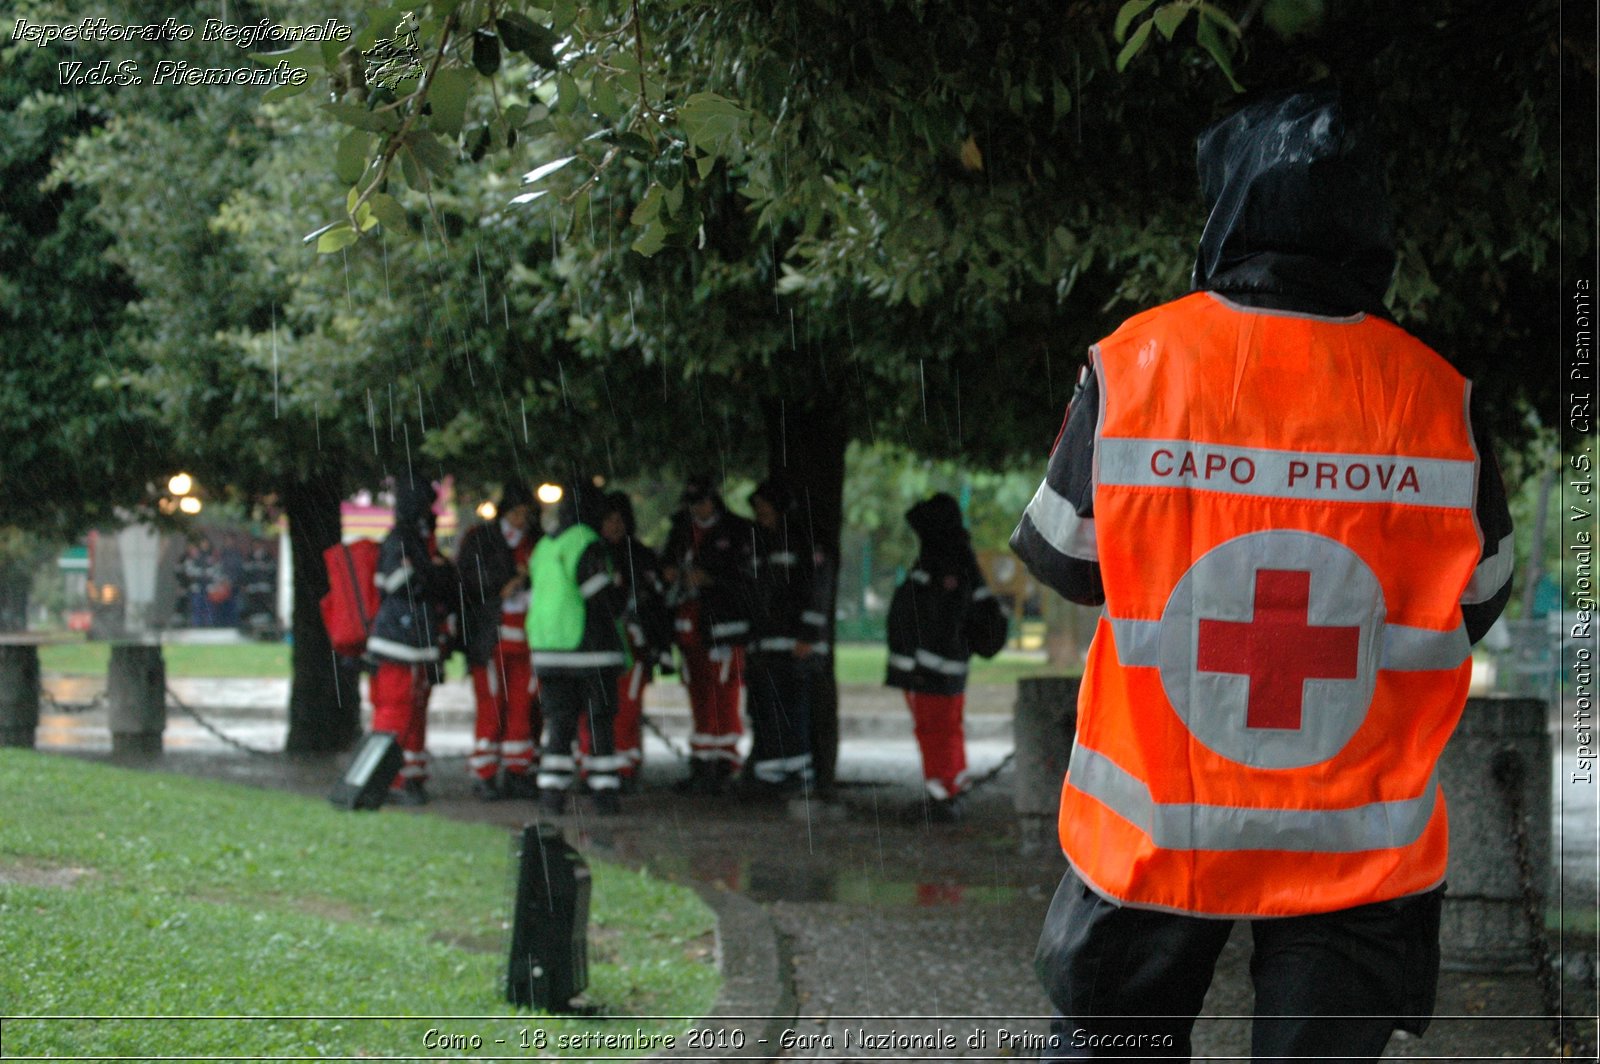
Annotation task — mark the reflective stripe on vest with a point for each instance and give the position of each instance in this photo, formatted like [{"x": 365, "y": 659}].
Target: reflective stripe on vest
[{"x": 1283, "y": 518}]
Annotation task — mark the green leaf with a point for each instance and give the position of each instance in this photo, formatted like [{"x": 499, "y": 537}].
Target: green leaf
[
  {"x": 416, "y": 174},
  {"x": 1134, "y": 46},
  {"x": 652, "y": 240},
  {"x": 431, "y": 153},
  {"x": 1211, "y": 40},
  {"x": 378, "y": 25},
  {"x": 649, "y": 208},
  {"x": 338, "y": 238},
  {"x": 360, "y": 117},
  {"x": 1169, "y": 17},
  {"x": 543, "y": 171},
  {"x": 284, "y": 91},
  {"x": 301, "y": 58},
  {"x": 387, "y": 210},
  {"x": 1061, "y": 97},
  {"x": 603, "y": 96},
  {"x": 704, "y": 164},
  {"x": 1221, "y": 18},
  {"x": 1126, "y": 14},
  {"x": 350, "y": 159},
  {"x": 485, "y": 52},
  {"x": 1293, "y": 18},
  {"x": 568, "y": 96},
  {"x": 712, "y": 123},
  {"x": 478, "y": 142},
  {"x": 563, "y": 13},
  {"x": 451, "y": 88},
  {"x": 516, "y": 29}
]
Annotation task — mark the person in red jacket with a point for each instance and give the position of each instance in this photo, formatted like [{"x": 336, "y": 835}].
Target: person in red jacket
[{"x": 493, "y": 563}]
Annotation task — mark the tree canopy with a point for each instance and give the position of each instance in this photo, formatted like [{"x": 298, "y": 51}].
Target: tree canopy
[{"x": 538, "y": 238}]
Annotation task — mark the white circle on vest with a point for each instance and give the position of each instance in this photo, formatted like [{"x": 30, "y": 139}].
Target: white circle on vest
[{"x": 1270, "y": 646}]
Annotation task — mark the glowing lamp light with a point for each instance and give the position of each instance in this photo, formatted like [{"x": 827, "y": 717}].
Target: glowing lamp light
[
  {"x": 189, "y": 505},
  {"x": 180, "y": 484},
  {"x": 549, "y": 494},
  {"x": 487, "y": 511}
]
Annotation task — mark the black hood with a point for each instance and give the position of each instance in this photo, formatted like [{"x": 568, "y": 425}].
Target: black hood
[
  {"x": 946, "y": 546},
  {"x": 413, "y": 500},
  {"x": 1298, "y": 211},
  {"x": 581, "y": 503}
]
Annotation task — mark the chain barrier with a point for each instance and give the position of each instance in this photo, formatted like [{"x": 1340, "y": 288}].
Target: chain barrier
[
  {"x": 989, "y": 777},
  {"x": 49, "y": 703},
  {"x": 191, "y": 713},
  {"x": 655, "y": 729},
  {"x": 1508, "y": 771}
]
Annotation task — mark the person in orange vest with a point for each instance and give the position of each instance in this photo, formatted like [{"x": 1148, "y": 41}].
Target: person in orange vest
[{"x": 1279, "y": 499}]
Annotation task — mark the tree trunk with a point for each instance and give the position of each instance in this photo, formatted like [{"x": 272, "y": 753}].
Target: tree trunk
[
  {"x": 806, "y": 443},
  {"x": 15, "y": 584},
  {"x": 324, "y": 699}
]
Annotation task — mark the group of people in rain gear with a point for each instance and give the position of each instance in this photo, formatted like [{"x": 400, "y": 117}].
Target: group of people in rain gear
[
  {"x": 559, "y": 630},
  {"x": 563, "y": 630}
]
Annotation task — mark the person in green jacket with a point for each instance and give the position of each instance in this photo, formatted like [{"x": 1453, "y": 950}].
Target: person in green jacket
[{"x": 575, "y": 632}]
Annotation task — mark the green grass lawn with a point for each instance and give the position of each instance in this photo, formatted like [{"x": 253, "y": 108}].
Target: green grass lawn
[
  {"x": 143, "y": 896},
  {"x": 247, "y": 660},
  {"x": 858, "y": 663}
]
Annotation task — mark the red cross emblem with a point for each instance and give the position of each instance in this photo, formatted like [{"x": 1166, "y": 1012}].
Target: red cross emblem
[{"x": 1279, "y": 649}]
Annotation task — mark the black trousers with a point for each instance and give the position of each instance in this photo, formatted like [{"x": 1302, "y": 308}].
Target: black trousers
[
  {"x": 567, "y": 696},
  {"x": 778, "y": 685},
  {"x": 1128, "y": 983}
]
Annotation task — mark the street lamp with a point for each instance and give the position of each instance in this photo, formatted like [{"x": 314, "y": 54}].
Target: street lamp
[
  {"x": 180, "y": 484},
  {"x": 486, "y": 510},
  {"x": 189, "y": 505},
  {"x": 549, "y": 494}
]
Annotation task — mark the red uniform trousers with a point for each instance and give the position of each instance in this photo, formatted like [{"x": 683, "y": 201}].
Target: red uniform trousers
[
  {"x": 936, "y": 720},
  {"x": 715, "y": 685},
  {"x": 626, "y": 727},
  {"x": 509, "y": 718},
  {"x": 400, "y": 707}
]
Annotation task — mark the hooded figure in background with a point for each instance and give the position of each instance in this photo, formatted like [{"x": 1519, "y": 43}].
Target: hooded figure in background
[
  {"x": 1278, "y": 498},
  {"x": 575, "y": 631},
  {"x": 939, "y": 617},
  {"x": 417, "y": 589},
  {"x": 706, "y": 563},
  {"x": 791, "y": 591},
  {"x": 493, "y": 563}
]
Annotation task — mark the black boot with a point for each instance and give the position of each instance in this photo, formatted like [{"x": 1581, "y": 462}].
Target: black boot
[{"x": 699, "y": 778}]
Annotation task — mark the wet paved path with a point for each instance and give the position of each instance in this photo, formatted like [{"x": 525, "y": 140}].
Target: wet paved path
[{"x": 898, "y": 939}]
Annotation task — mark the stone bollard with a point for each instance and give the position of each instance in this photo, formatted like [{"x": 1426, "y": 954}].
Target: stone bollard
[
  {"x": 1484, "y": 926},
  {"x": 19, "y": 694},
  {"x": 136, "y": 687},
  {"x": 1043, "y": 725}
]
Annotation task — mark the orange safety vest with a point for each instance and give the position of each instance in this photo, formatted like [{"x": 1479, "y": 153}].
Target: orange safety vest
[{"x": 1284, "y": 521}]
